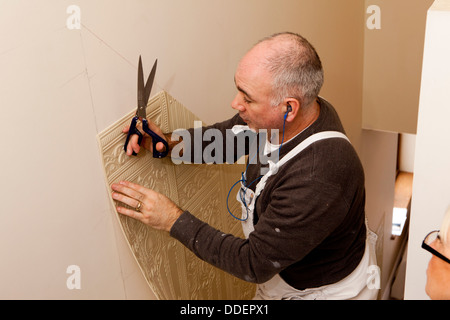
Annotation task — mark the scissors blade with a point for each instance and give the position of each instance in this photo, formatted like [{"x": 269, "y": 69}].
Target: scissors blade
[
  {"x": 144, "y": 91},
  {"x": 141, "y": 91},
  {"x": 149, "y": 83}
]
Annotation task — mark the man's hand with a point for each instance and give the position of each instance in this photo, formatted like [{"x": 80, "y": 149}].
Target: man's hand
[
  {"x": 151, "y": 207},
  {"x": 146, "y": 140}
]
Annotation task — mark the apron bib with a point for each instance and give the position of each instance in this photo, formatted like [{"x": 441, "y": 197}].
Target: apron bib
[{"x": 354, "y": 286}]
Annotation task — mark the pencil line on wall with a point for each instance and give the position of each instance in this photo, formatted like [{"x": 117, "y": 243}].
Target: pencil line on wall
[
  {"x": 109, "y": 46},
  {"x": 89, "y": 82}
]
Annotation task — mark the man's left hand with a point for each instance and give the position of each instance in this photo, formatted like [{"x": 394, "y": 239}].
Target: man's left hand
[{"x": 151, "y": 207}]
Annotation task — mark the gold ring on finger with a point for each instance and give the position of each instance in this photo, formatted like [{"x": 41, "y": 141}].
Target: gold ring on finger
[{"x": 138, "y": 208}]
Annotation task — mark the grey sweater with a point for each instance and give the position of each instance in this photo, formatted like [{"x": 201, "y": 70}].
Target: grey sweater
[{"x": 309, "y": 219}]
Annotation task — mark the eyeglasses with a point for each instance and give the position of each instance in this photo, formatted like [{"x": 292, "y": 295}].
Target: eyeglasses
[{"x": 429, "y": 239}]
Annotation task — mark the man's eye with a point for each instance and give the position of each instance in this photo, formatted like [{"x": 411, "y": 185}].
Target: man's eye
[{"x": 246, "y": 100}]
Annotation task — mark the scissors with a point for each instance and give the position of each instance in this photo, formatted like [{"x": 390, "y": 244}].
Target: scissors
[{"x": 141, "y": 114}]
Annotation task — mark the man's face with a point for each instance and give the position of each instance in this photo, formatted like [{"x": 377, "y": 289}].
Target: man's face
[{"x": 253, "y": 100}]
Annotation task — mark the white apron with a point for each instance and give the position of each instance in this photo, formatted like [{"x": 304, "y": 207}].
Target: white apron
[{"x": 354, "y": 286}]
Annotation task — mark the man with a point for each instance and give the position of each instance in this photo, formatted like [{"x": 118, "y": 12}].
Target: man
[{"x": 304, "y": 219}]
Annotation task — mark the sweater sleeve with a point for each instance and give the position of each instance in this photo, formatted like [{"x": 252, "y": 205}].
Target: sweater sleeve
[
  {"x": 225, "y": 251},
  {"x": 217, "y": 143}
]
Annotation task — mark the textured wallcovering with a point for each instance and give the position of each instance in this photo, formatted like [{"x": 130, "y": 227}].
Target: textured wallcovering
[{"x": 172, "y": 271}]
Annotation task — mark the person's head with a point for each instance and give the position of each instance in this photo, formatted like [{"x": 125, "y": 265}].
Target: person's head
[
  {"x": 279, "y": 70},
  {"x": 438, "y": 272}
]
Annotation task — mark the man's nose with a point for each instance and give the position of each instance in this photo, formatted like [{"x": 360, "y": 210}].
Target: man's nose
[{"x": 237, "y": 105}]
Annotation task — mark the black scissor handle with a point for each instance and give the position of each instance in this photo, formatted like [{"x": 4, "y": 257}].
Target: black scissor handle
[
  {"x": 155, "y": 138},
  {"x": 133, "y": 130}
]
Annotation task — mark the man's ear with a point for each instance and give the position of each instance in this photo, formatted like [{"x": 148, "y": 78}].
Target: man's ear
[{"x": 290, "y": 108}]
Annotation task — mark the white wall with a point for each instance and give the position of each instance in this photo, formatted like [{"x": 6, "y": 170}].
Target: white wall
[
  {"x": 431, "y": 195},
  {"x": 406, "y": 152},
  {"x": 60, "y": 87}
]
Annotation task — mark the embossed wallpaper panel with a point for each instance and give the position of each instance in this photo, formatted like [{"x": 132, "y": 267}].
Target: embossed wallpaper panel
[{"x": 171, "y": 270}]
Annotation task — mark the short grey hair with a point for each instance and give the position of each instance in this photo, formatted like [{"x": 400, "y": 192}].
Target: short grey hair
[{"x": 295, "y": 67}]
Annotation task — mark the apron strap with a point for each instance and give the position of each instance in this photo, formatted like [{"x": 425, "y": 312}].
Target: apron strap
[
  {"x": 273, "y": 167},
  {"x": 306, "y": 143}
]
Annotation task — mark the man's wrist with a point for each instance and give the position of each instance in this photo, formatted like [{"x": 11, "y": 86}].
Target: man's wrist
[{"x": 172, "y": 140}]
